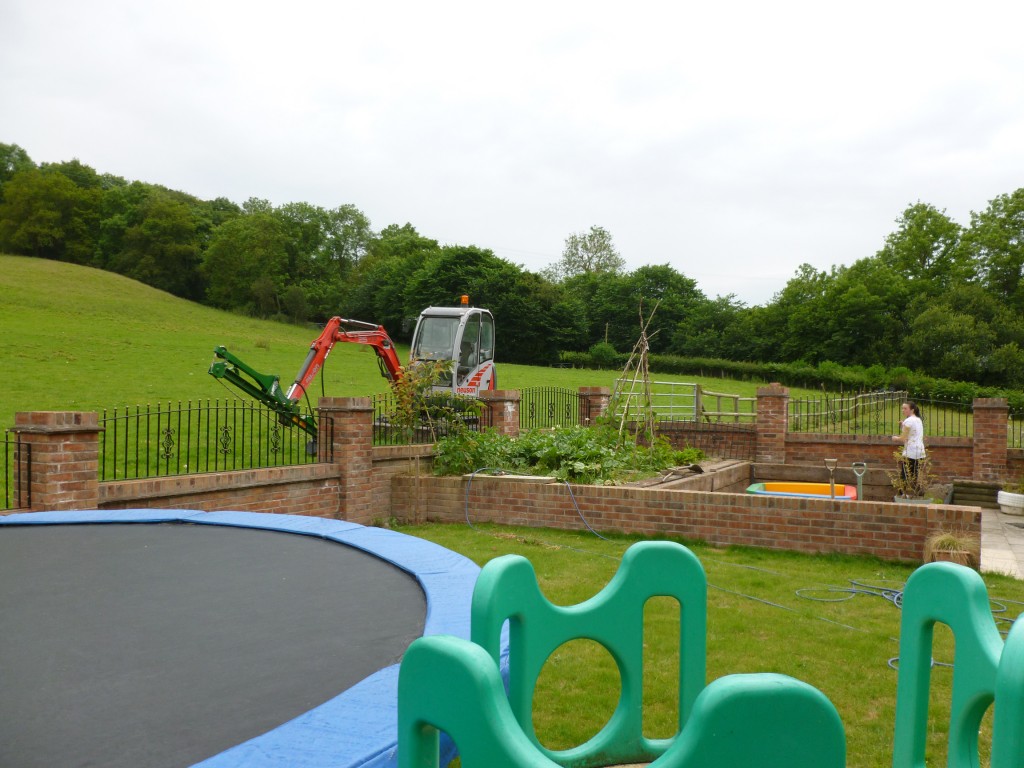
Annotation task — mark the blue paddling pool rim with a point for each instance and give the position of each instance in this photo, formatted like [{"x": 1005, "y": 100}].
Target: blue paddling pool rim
[{"x": 358, "y": 727}]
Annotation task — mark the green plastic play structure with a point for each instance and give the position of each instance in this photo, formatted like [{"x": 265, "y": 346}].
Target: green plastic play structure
[
  {"x": 738, "y": 721},
  {"x": 507, "y": 589}
]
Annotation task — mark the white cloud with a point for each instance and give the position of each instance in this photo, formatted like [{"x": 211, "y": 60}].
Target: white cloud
[{"x": 734, "y": 141}]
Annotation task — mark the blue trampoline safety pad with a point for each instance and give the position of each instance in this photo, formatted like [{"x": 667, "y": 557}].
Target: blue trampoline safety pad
[{"x": 358, "y": 727}]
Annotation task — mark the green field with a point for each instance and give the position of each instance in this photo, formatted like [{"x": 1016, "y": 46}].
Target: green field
[{"x": 76, "y": 338}]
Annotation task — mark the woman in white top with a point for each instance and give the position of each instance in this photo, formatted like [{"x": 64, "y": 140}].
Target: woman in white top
[{"x": 912, "y": 437}]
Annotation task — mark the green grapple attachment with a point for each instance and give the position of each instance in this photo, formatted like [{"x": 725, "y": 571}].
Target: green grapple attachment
[{"x": 261, "y": 386}]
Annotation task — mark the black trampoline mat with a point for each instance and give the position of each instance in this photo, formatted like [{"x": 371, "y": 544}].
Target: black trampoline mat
[{"x": 146, "y": 645}]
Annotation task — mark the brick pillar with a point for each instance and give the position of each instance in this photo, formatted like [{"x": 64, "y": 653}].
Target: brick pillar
[
  {"x": 991, "y": 417},
  {"x": 772, "y": 423},
  {"x": 593, "y": 404},
  {"x": 64, "y": 455},
  {"x": 503, "y": 405},
  {"x": 346, "y": 428}
]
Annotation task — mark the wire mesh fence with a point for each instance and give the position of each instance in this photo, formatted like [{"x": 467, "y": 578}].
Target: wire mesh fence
[{"x": 145, "y": 441}]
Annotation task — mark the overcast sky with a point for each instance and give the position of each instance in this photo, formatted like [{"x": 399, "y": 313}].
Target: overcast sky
[{"x": 731, "y": 140}]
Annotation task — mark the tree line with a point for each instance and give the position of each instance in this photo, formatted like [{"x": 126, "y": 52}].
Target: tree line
[{"x": 938, "y": 297}]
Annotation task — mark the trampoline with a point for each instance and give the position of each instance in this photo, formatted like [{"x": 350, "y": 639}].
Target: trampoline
[{"x": 160, "y": 638}]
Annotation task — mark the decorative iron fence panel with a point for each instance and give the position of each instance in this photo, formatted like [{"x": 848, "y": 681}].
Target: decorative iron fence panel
[
  {"x": 877, "y": 413},
  {"x": 189, "y": 438},
  {"x": 547, "y": 407},
  {"x": 17, "y": 471},
  {"x": 434, "y": 418}
]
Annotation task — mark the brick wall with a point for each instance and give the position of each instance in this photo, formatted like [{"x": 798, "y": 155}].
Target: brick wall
[
  {"x": 367, "y": 484},
  {"x": 951, "y": 457},
  {"x": 354, "y": 486},
  {"x": 64, "y": 450},
  {"x": 1015, "y": 464},
  {"x": 772, "y": 422},
  {"x": 736, "y": 441},
  {"x": 303, "y": 490},
  {"x": 389, "y": 461},
  {"x": 990, "y": 432},
  {"x": 883, "y": 529},
  {"x": 312, "y": 489},
  {"x": 503, "y": 407}
]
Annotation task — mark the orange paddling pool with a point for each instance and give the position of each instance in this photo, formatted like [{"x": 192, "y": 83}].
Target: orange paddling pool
[{"x": 806, "y": 490}]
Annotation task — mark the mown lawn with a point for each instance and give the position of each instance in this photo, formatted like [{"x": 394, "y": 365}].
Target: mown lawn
[{"x": 767, "y": 612}]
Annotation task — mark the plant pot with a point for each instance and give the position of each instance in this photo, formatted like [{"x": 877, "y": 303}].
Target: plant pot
[
  {"x": 913, "y": 500},
  {"x": 958, "y": 556},
  {"x": 1011, "y": 503}
]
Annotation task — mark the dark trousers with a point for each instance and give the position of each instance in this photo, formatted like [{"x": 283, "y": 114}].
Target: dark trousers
[{"x": 908, "y": 471}]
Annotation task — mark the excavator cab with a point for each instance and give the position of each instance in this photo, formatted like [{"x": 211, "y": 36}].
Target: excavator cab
[{"x": 464, "y": 335}]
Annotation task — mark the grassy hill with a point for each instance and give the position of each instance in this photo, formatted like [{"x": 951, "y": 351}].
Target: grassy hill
[{"x": 77, "y": 338}]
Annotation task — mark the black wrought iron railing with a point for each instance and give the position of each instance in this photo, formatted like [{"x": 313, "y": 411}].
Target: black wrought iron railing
[
  {"x": 195, "y": 437},
  {"x": 1015, "y": 429},
  {"x": 396, "y": 422},
  {"x": 17, "y": 459},
  {"x": 547, "y": 407},
  {"x": 877, "y": 413}
]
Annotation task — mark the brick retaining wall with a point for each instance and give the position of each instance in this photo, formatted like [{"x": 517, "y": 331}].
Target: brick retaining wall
[
  {"x": 883, "y": 529},
  {"x": 311, "y": 489},
  {"x": 950, "y": 457}
]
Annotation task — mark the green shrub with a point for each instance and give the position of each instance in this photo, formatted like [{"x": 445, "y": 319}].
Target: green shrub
[
  {"x": 603, "y": 355},
  {"x": 575, "y": 454}
]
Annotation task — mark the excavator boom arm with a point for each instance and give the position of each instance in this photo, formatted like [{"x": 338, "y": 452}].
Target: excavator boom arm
[
  {"x": 339, "y": 329},
  {"x": 267, "y": 389}
]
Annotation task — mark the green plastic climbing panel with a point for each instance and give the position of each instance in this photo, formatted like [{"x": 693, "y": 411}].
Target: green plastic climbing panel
[{"x": 740, "y": 720}]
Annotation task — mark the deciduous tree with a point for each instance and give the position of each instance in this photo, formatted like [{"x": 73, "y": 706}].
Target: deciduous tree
[
  {"x": 45, "y": 214},
  {"x": 925, "y": 249},
  {"x": 996, "y": 241},
  {"x": 587, "y": 253},
  {"x": 13, "y": 159},
  {"x": 241, "y": 252}
]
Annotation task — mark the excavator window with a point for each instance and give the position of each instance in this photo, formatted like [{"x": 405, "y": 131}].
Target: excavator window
[
  {"x": 469, "y": 351},
  {"x": 436, "y": 338},
  {"x": 486, "y": 338}
]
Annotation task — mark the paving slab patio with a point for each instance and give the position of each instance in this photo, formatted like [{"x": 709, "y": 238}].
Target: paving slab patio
[{"x": 1002, "y": 543}]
